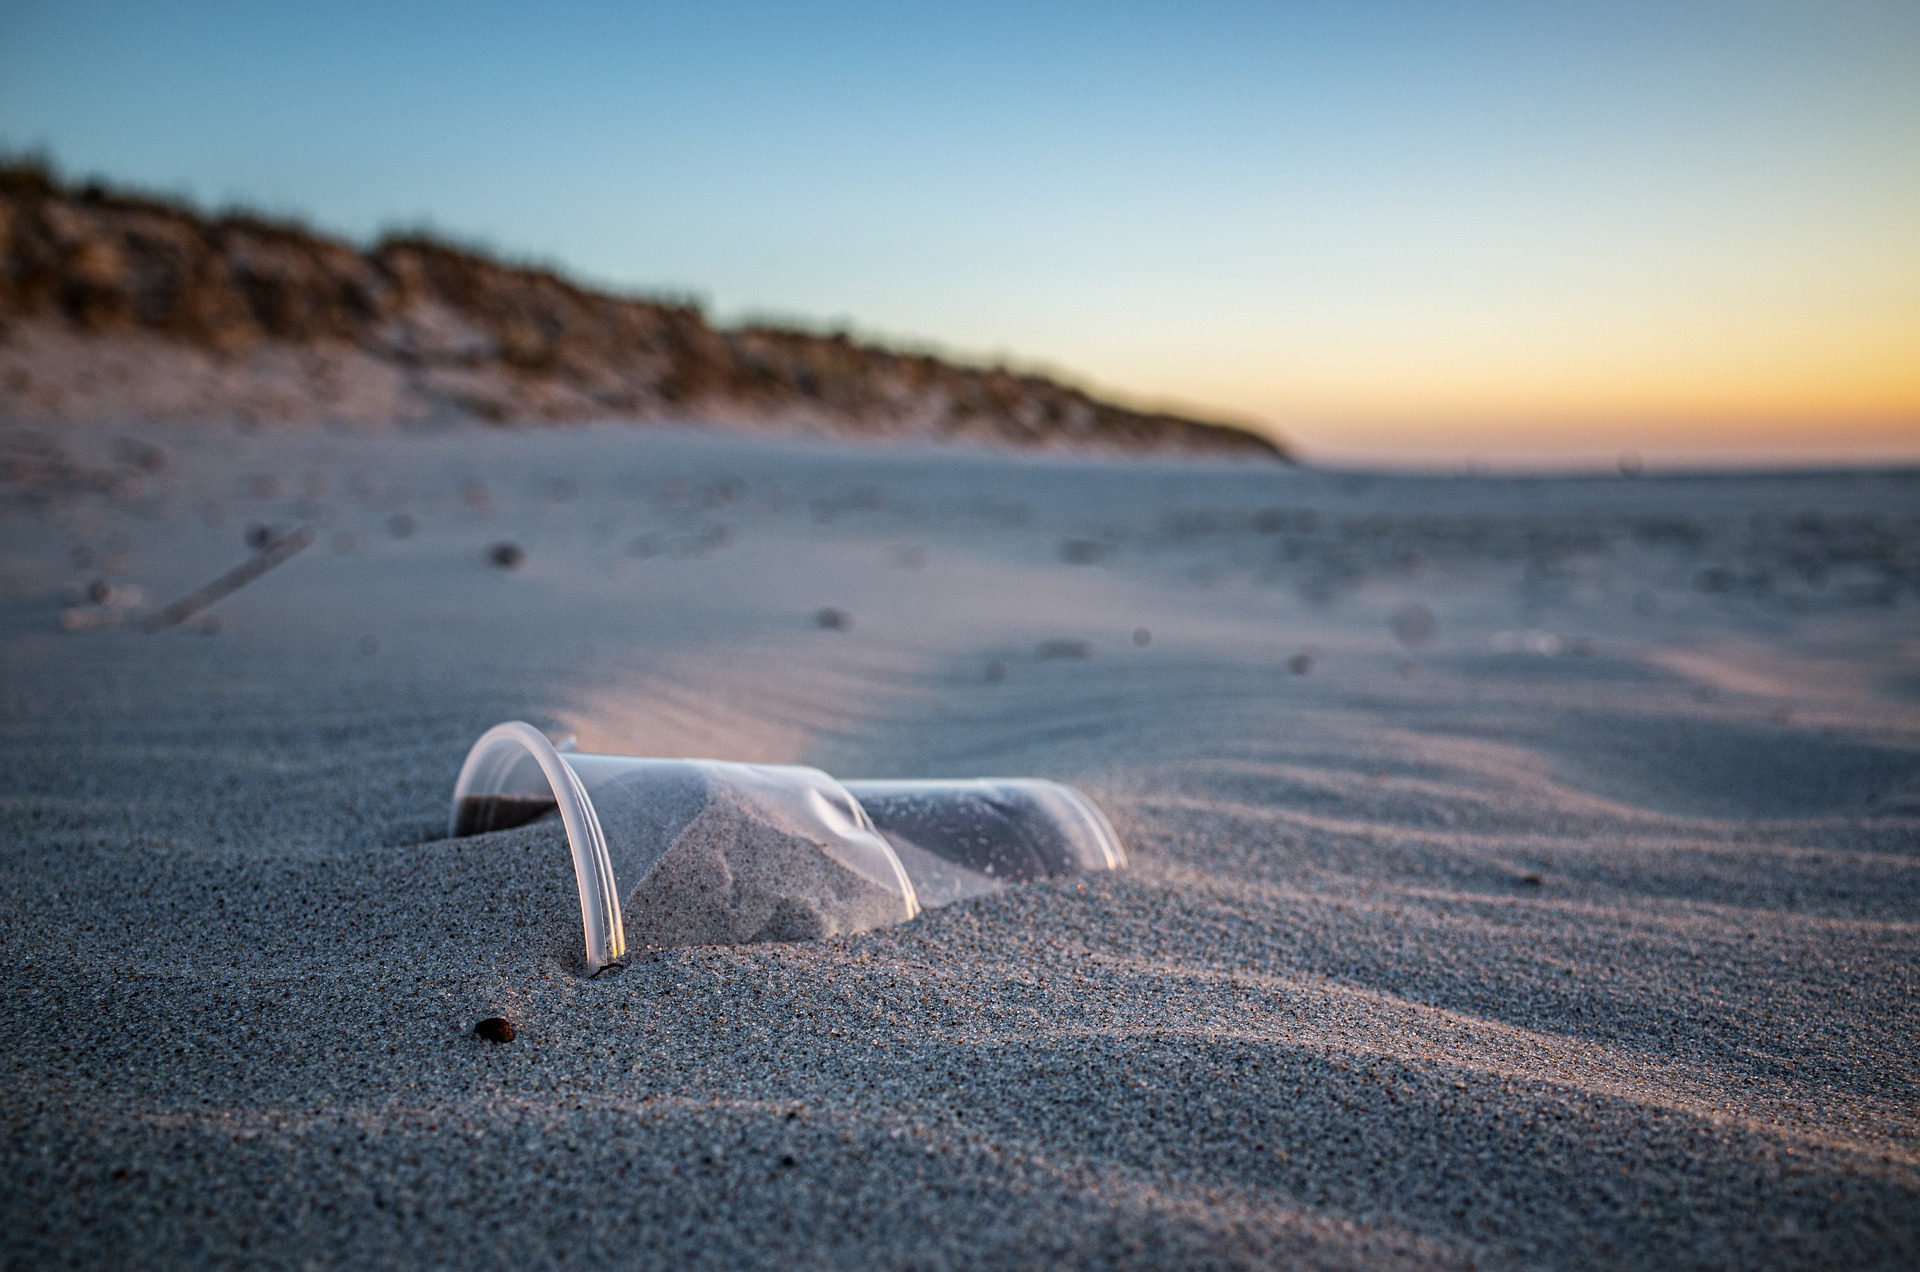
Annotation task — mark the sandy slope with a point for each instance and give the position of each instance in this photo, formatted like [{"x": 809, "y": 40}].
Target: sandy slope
[{"x": 1468, "y": 954}]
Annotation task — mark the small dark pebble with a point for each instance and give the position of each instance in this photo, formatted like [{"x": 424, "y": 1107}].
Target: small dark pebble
[
  {"x": 834, "y": 620},
  {"x": 1413, "y": 624},
  {"x": 1531, "y": 880},
  {"x": 260, "y": 537},
  {"x": 141, "y": 455},
  {"x": 495, "y": 1029},
  {"x": 100, "y": 591},
  {"x": 506, "y": 555},
  {"x": 1142, "y": 637},
  {"x": 1300, "y": 664},
  {"x": 787, "y": 1160}
]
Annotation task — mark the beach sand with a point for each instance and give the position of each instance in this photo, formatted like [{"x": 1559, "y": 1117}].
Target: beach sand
[{"x": 1524, "y": 872}]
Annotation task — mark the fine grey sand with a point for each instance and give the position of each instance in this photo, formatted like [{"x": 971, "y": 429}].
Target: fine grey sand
[{"x": 1573, "y": 927}]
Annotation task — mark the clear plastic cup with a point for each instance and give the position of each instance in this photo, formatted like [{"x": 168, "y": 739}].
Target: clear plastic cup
[
  {"x": 712, "y": 851},
  {"x": 960, "y": 839}
]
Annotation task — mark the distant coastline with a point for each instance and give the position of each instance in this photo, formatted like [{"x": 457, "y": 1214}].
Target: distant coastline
[{"x": 122, "y": 306}]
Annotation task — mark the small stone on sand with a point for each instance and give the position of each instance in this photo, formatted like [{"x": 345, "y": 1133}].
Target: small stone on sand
[
  {"x": 1413, "y": 624},
  {"x": 495, "y": 1029}
]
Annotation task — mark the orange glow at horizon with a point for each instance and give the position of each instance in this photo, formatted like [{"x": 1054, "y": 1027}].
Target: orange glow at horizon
[{"x": 1846, "y": 387}]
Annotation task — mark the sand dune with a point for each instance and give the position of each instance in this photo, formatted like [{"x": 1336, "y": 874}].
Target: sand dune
[
  {"x": 116, "y": 305},
  {"x": 1458, "y": 953}
]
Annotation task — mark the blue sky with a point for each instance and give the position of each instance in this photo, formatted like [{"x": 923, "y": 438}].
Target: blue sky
[{"x": 1397, "y": 230}]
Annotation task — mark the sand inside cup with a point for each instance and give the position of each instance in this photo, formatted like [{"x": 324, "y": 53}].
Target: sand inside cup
[
  {"x": 729, "y": 873},
  {"x": 732, "y": 879}
]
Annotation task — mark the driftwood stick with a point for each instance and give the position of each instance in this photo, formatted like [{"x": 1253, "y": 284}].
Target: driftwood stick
[{"x": 275, "y": 553}]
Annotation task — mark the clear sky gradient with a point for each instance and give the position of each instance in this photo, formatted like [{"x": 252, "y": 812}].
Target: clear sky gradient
[{"x": 1419, "y": 232}]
